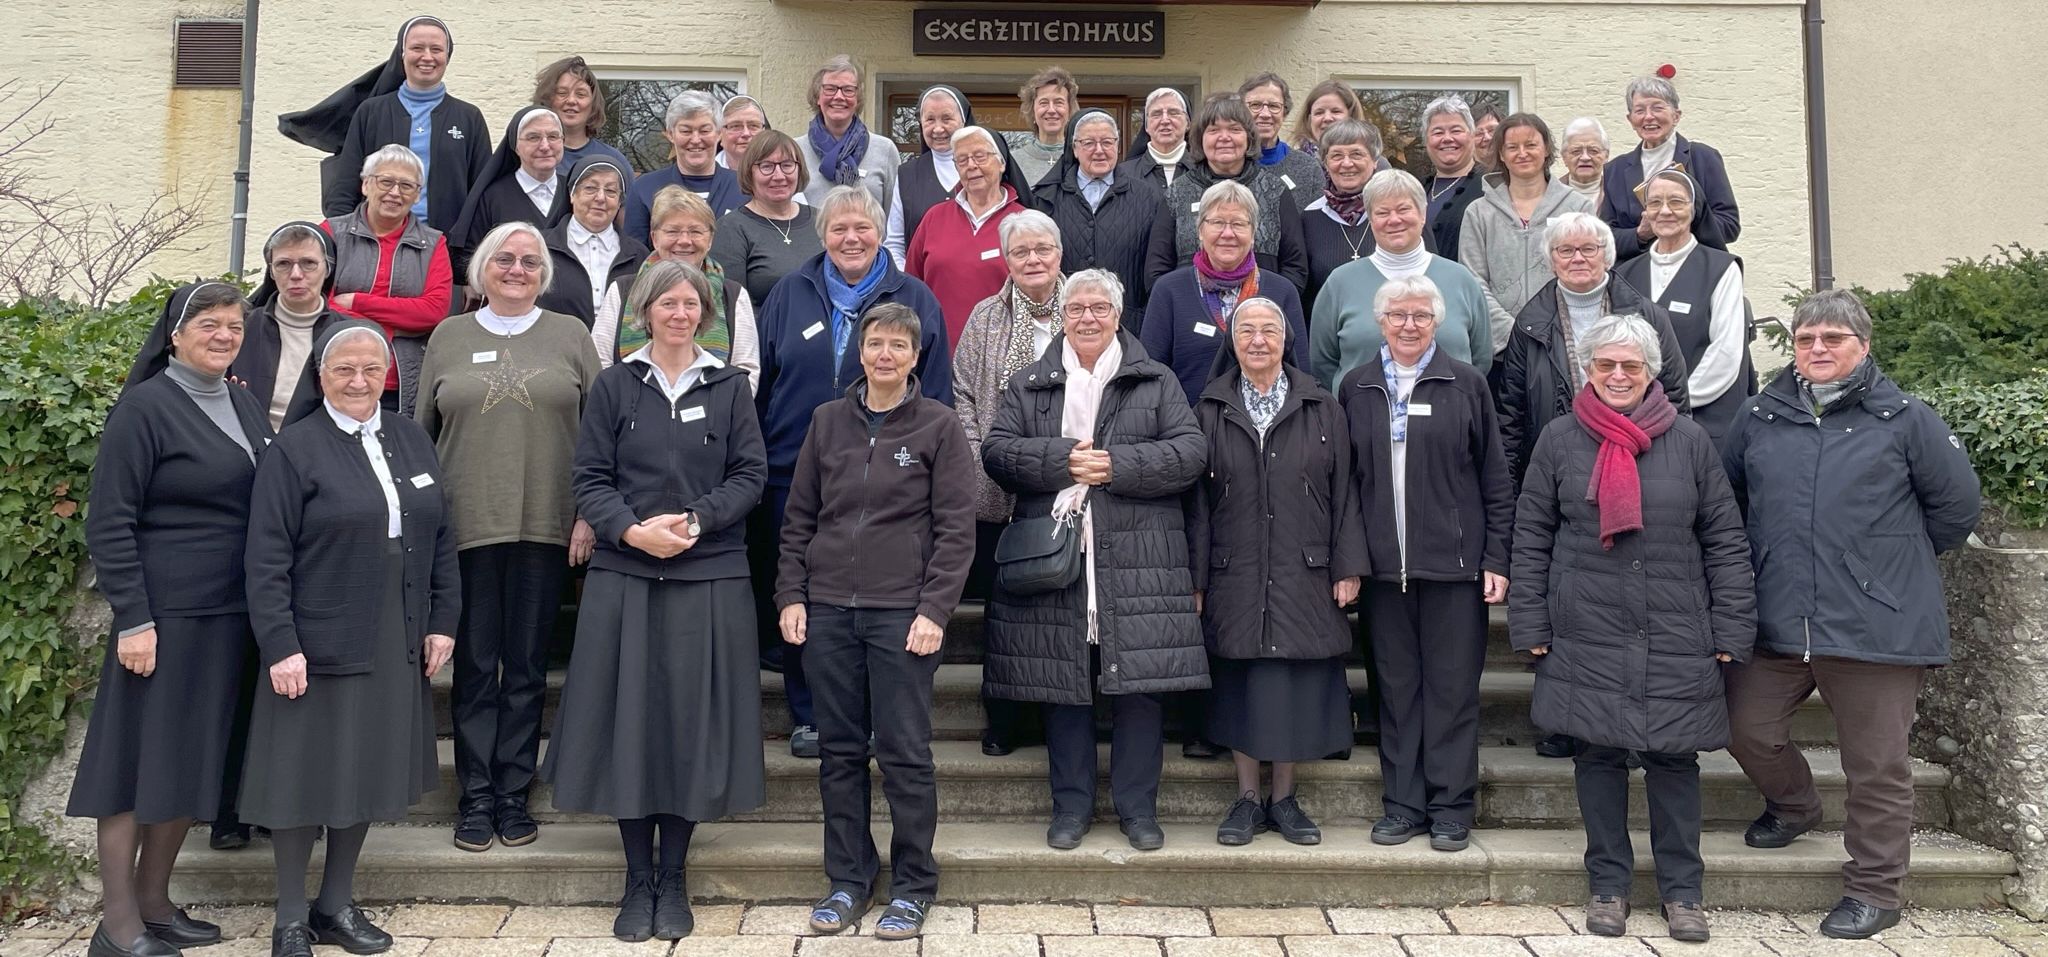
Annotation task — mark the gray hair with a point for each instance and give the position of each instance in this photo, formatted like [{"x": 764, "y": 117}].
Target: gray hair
[
  {"x": 496, "y": 239},
  {"x": 1092, "y": 116},
  {"x": 1002, "y": 162},
  {"x": 840, "y": 63},
  {"x": 1393, "y": 184},
  {"x": 1100, "y": 281},
  {"x": 1449, "y": 103},
  {"x": 1629, "y": 330},
  {"x": 1349, "y": 132},
  {"x": 1586, "y": 124},
  {"x": 394, "y": 153},
  {"x": 353, "y": 332},
  {"x": 1833, "y": 307},
  {"x": 292, "y": 234},
  {"x": 1228, "y": 192},
  {"x": 1580, "y": 225},
  {"x": 892, "y": 316},
  {"x": 1029, "y": 222},
  {"x": 1409, "y": 287},
  {"x": 690, "y": 103},
  {"x": 843, "y": 199},
  {"x": 1261, "y": 302},
  {"x": 1655, "y": 87},
  {"x": 661, "y": 276}
]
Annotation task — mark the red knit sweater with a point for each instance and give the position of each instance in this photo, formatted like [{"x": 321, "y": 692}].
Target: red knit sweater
[{"x": 962, "y": 264}]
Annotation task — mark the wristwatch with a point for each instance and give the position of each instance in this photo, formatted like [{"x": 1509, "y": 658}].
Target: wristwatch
[{"x": 695, "y": 528}]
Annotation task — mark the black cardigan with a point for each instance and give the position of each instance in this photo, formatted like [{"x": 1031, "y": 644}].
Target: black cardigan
[
  {"x": 503, "y": 202},
  {"x": 170, "y": 505},
  {"x": 706, "y": 456},
  {"x": 316, "y": 543},
  {"x": 461, "y": 144},
  {"x": 256, "y": 364},
  {"x": 568, "y": 294}
]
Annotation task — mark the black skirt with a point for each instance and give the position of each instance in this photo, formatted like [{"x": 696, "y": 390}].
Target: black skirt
[
  {"x": 1278, "y": 709},
  {"x": 158, "y": 746},
  {"x": 353, "y": 748},
  {"x": 661, "y": 711}
]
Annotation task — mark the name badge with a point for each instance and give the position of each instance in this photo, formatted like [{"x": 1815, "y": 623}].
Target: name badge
[
  {"x": 422, "y": 480},
  {"x": 1682, "y": 308},
  {"x": 812, "y": 332},
  {"x": 1418, "y": 408},
  {"x": 1194, "y": 207},
  {"x": 693, "y": 413},
  {"x": 988, "y": 254},
  {"x": 1288, "y": 180},
  {"x": 491, "y": 356},
  {"x": 1205, "y": 329}
]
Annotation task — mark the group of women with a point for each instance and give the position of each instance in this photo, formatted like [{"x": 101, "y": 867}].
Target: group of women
[{"x": 891, "y": 385}]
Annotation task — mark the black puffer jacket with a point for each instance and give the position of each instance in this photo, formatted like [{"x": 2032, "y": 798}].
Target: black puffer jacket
[
  {"x": 1535, "y": 372},
  {"x": 1632, "y": 631},
  {"x": 1274, "y": 523},
  {"x": 1151, "y": 639}
]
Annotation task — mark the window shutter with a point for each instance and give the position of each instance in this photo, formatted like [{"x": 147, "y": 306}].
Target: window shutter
[{"x": 208, "y": 53}]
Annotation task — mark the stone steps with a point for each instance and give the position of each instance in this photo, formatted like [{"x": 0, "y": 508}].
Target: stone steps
[
  {"x": 1516, "y": 789},
  {"x": 581, "y": 863}
]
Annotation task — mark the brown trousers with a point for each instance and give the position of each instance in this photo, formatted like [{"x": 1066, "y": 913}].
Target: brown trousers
[{"x": 1873, "y": 705}]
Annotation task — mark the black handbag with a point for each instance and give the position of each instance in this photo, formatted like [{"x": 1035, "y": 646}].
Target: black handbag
[{"x": 1038, "y": 555}]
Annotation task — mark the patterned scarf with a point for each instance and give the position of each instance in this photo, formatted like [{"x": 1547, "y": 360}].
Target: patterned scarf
[
  {"x": 1263, "y": 408},
  {"x": 839, "y": 156},
  {"x": 1349, "y": 207},
  {"x": 1397, "y": 404},
  {"x": 1025, "y": 317},
  {"x": 844, "y": 299},
  {"x": 1222, "y": 291},
  {"x": 714, "y": 332}
]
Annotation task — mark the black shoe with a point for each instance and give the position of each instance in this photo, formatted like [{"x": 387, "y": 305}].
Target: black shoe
[
  {"x": 291, "y": 940},
  {"x": 473, "y": 830},
  {"x": 636, "y": 909},
  {"x": 803, "y": 741},
  {"x": 183, "y": 930},
  {"x": 1286, "y": 817},
  {"x": 1557, "y": 746},
  {"x": 994, "y": 746},
  {"x": 1395, "y": 829},
  {"x": 1199, "y": 749},
  {"x": 1244, "y": 819},
  {"x": 1772, "y": 831},
  {"x": 1853, "y": 919},
  {"x": 144, "y": 946},
  {"x": 672, "y": 917},
  {"x": 1144, "y": 833},
  {"x": 350, "y": 930},
  {"x": 1066, "y": 831},
  {"x": 228, "y": 836},
  {"x": 1449, "y": 836},
  {"x": 515, "y": 827}
]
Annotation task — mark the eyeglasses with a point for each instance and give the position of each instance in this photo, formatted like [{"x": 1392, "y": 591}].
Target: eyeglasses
[
  {"x": 1228, "y": 225},
  {"x": 1413, "y": 320},
  {"x": 1649, "y": 107},
  {"x": 392, "y": 184},
  {"x": 1659, "y": 205},
  {"x": 1093, "y": 145},
  {"x": 535, "y": 137},
  {"x": 1164, "y": 113},
  {"x": 1040, "y": 251},
  {"x": 981, "y": 158},
  {"x": 1092, "y": 310},
  {"x": 1830, "y": 340},
  {"x": 1569, "y": 253},
  {"x": 529, "y": 263},
  {"x": 1251, "y": 333},
  {"x": 373, "y": 372},
  {"x": 1633, "y": 367},
  {"x": 285, "y": 267},
  {"x": 683, "y": 232},
  {"x": 771, "y": 167},
  {"x": 596, "y": 191},
  {"x": 1264, "y": 107},
  {"x": 1577, "y": 151},
  {"x": 1348, "y": 154},
  {"x": 834, "y": 89},
  {"x": 744, "y": 126}
]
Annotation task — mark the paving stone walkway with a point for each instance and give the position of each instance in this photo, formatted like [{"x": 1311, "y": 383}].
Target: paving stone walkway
[{"x": 1081, "y": 930}]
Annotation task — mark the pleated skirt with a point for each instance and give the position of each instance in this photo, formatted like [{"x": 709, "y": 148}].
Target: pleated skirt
[{"x": 158, "y": 746}]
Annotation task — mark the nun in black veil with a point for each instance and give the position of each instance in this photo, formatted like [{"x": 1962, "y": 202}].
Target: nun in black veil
[
  {"x": 929, "y": 177},
  {"x": 400, "y": 101},
  {"x": 524, "y": 181}
]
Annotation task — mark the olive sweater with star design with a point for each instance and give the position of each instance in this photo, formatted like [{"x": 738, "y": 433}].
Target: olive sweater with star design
[{"x": 503, "y": 413}]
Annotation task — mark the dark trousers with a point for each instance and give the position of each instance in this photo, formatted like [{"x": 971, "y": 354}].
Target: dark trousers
[
  {"x": 1674, "y": 785},
  {"x": 858, "y": 666},
  {"x": 510, "y": 595},
  {"x": 1137, "y": 738},
  {"x": 764, "y": 551},
  {"x": 1430, "y": 642},
  {"x": 1874, "y": 709}
]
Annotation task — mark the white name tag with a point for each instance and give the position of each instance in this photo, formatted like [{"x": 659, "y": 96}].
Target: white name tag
[
  {"x": 812, "y": 332},
  {"x": 988, "y": 254},
  {"x": 422, "y": 480},
  {"x": 1682, "y": 308},
  {"x": 491, "y": 356},
  {"x": 1205, "y": 329},
  {"x": 1194, "y": 207},
  {"x": 693, "y": 413},
  {"x": 1288, "y": 180},
  {"x": 1418, "y": 408}
]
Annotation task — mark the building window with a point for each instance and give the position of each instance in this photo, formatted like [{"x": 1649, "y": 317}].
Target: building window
[
  {"x": 1396, "y": 108},
  {"x": 636, "y": 102},
  {"x": 207, "y": 52}
]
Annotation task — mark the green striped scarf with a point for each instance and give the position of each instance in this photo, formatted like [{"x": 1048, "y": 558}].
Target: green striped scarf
[{"x": 714, "y": 334}]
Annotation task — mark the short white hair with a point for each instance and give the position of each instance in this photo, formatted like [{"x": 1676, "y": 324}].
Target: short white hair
[
  {"x": 1392, "y": 183},
  {"x": 1655, "y": 87},
  {"x": 1580, "y": 126},
  {"x": 1629, "y": 330},
  {"x": 1580, "y": 225},
  {"x": 690, "y": 103},
  {"x": 1450, "y": 103},
  {"x": 1408, "y": 287},
  {"x": 1229, "y": 192},
  {"x": 496, "y": 239},
  {"x": 1002, "y": 162},
  {"x": 1097, "y": 280},
  {"x": 1029, "y": 222},
  {"x": 850, "y": 199},
  {"x": 394, "y": 153}
]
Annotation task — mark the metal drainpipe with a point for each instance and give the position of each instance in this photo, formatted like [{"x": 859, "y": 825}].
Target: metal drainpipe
[
  {"x": 238, "y": 228},
  {"x": 1817, "y": 152}
]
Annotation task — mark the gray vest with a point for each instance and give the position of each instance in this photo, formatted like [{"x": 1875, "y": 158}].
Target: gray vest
[{"x": 355, "y": 270}]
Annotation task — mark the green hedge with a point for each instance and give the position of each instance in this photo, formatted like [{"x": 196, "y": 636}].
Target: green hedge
[{"x": 61, "y": 367}]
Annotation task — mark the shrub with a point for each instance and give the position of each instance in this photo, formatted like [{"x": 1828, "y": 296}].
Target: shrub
[
  {"x": 1983, "y": 320},
  {"x": 2004, "y": 425}
]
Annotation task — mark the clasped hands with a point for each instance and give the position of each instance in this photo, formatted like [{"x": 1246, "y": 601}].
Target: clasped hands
[
  {"x": 1088, "y": 465},
  {"x": 663, "y": 536}
]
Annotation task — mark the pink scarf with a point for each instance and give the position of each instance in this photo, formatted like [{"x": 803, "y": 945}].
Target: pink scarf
[{"x": 1617, "y": 488}]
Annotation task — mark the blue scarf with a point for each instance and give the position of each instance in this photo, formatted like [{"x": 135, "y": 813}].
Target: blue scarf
[
  {"x": 839, "y": 156},
  {"x": 1274, "y": 154},
  {"x": 420, "y": 106},
  {"x": 1397, "y": 407},
  {"x": 845, "y": 301}
]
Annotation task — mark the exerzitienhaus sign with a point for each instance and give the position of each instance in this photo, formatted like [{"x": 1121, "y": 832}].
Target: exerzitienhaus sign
[{"x": 1038, "y": 33}]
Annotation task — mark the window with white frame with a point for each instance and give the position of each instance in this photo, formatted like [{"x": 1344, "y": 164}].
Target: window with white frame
[
  {"x": 1395, "y": 106},
  {"x": 636, "y": 102}
]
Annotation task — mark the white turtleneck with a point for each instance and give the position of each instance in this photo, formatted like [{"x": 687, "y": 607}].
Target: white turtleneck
[
  {"x": 1401, "y": 265},
  {"x": 893, "y": 237},
  {"x": 1169, "y": 163},
  {"x": 1721, "y": 363},
  {"x": 1657, "y": 158}
]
